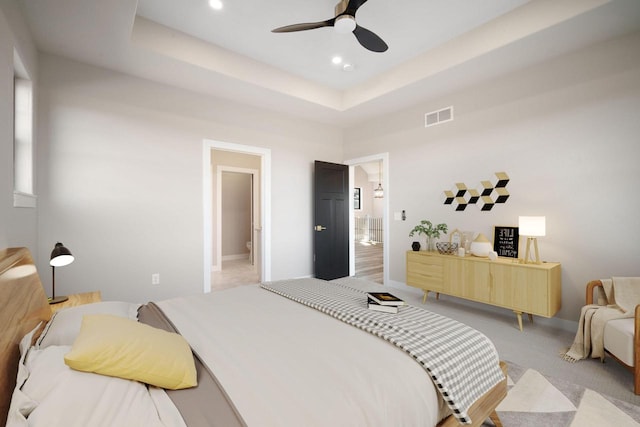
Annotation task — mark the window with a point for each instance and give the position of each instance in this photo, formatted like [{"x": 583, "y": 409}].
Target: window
[{"x": 23, "y": 194}]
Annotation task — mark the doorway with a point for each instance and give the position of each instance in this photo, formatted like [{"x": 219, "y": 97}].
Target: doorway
[
  {"x": 220, "y": 158},
  {"x": 236, "y": 224},
  {"x": 369, "y": 225}
]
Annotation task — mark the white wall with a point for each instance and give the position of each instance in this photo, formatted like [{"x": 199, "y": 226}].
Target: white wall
[
  {"x": 567, "y": 133},
  {"x": 370, "y": 205},
  {"x": 17, "y": 225},
  {"x": 361, "y": 179},
  {"x": 121, "y": 179}
]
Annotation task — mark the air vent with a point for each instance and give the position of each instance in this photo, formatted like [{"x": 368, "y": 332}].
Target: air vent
[{"x": 436, "y": 117}]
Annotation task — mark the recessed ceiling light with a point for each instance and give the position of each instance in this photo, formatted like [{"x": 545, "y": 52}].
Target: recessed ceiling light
[
  {"x": 347, "y": 67},
  {"x": 336, "y": 60},
  {"x": 215, "y": 4}
]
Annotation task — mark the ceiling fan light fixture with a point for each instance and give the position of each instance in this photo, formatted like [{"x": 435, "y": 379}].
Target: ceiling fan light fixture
[
  {"x": 345, "y": 24},
  {"x": 344, "y": 21}
]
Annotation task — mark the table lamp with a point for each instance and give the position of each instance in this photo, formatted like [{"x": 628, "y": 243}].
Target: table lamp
[
  {"x": 60, "y": 256},
  {"x": 532, "y": 227}
]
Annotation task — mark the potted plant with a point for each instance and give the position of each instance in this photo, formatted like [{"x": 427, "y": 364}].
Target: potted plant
[{"x": 431, "y": 231}]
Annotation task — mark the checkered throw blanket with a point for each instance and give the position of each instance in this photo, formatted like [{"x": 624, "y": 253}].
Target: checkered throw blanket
[{"x": 461, "y": 361}]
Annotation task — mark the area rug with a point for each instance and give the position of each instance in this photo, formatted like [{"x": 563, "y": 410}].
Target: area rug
[{"x": 537, "y": 400}]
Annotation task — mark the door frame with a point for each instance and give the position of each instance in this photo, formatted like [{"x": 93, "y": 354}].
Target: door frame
[
  {"x": 209, "y": 145},
  {"x": 254, "y": 195},
  {"x": 384, "y": 158}
]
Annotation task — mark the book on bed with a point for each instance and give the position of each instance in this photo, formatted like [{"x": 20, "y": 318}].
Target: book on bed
[
  {"x": 374, "y": 305},
  {"x": 385, "y": 298}
]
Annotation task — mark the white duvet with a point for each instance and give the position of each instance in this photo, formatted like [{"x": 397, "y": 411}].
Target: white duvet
[
  {"x": 53, "y": 395},
  {"x": 284, "y": 364}
]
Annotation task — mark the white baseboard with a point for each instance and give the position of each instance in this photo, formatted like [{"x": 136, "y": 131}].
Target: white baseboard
[{"x": 235, "y": 257}]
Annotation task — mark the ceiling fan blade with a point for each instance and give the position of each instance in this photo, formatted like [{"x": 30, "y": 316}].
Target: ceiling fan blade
[
  {"x": 369, "y": 40},
  {"x": 353, "y": 6},
  {"x": 303, "y": 27}
]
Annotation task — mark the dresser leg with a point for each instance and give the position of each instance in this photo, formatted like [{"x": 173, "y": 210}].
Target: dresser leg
[
  {"x": 519, "y": 314},
  {"x": 424, "y": 297}
]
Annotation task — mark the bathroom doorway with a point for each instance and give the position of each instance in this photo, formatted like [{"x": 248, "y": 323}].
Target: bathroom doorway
[
  {"x": 237, "y": 233},
  {"x": 236, "y": 214}
]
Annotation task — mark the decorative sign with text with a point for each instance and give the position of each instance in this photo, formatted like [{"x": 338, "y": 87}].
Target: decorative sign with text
[{"x": 505, "y": 241}]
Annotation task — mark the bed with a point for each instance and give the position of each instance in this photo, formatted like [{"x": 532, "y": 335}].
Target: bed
[{"x": 253, "y": 365}]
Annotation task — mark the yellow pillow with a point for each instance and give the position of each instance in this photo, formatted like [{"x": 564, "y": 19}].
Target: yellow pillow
[{"x": 121, "y": 347}]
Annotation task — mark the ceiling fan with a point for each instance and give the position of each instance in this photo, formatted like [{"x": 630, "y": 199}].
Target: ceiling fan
[{"x": 344, "y": 22}]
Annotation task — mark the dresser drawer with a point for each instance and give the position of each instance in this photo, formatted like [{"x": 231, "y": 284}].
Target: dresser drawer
[{"x": 425, "y": 272}]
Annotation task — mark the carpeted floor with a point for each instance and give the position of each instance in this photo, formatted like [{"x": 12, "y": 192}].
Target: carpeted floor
[
  {"x": 538, "y": 346},
  {"x": 537, "y": 400}
]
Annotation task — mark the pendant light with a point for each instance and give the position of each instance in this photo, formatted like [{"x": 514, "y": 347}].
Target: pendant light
[{"x": 378, "y": 193}]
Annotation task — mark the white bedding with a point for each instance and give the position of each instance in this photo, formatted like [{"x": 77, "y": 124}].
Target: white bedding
[
  {"x": 50, "y": 394},
  {"x": 70, "y": 398},
  {"x": 284, "y": 364}
]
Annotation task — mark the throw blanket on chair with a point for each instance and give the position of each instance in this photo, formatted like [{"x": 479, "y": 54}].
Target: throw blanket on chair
[{"x": 617, "y": 299}]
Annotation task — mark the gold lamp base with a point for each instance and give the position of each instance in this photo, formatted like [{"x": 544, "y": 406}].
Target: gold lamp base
[{"x": 58, "y": 300}]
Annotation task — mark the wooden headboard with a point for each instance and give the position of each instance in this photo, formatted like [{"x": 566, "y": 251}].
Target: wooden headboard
[{"x": 23, "y": 304}]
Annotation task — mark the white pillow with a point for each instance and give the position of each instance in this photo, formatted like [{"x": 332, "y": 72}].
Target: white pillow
[{"x": 64, "y": 326}]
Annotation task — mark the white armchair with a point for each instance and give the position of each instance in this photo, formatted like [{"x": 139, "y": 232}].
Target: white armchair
[{"x": 621, "y": 338}]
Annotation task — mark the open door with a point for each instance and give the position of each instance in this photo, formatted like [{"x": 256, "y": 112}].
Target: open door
[{"x": 331, "y": 220}]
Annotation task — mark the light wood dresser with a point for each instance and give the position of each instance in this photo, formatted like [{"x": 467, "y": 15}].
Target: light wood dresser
[{"x": 523, "y": 288}]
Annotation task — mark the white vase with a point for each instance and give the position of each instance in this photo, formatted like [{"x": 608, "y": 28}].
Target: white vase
[
  {"x": 481, "y": 246},
  {"x": 431, "y": 243}
]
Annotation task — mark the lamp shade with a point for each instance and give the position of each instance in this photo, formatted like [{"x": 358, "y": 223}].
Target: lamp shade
[
  {"x": 60, "y": 256},
  {"x": 532, "y": 226}
]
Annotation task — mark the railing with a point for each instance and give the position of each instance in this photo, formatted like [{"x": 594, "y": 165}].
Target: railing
[{"x": 368, "y": 229}]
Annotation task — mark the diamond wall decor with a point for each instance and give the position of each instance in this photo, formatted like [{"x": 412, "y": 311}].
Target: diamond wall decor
[{"x": 488, "y": 194}]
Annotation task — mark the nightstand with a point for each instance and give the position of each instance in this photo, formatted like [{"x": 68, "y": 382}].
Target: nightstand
[{"x": 77, "y": 299}]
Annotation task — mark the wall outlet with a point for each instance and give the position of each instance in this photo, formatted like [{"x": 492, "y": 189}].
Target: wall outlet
[{"x": 155, "y": 279}]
